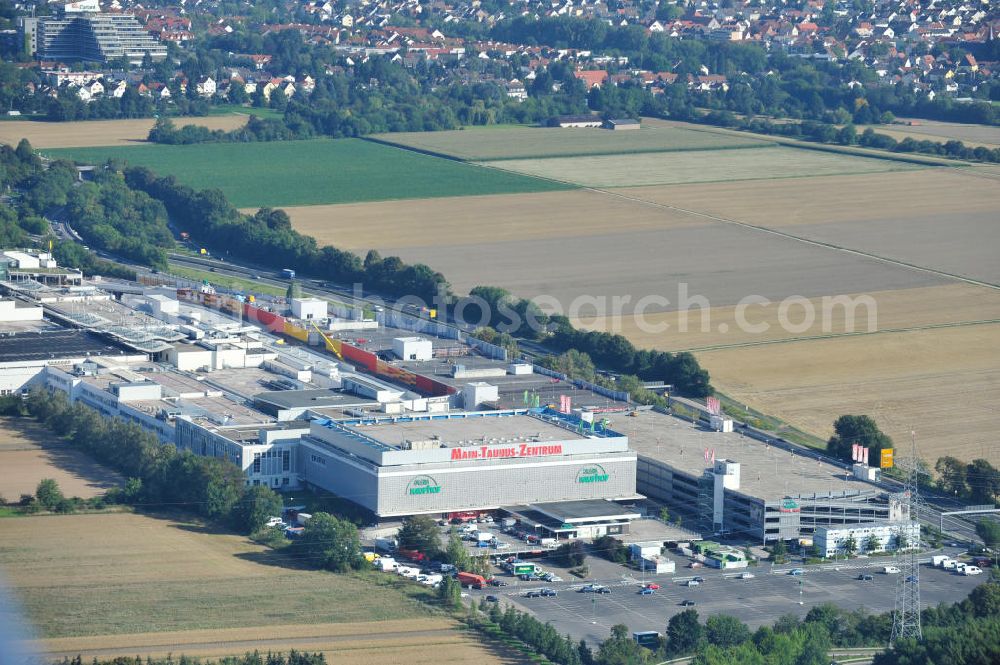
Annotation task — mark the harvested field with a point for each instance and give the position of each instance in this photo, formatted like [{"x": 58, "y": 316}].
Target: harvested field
[
  {"x": 939, "y": 383},
  {"x": 948, "y": 305},
  {"x": 318, "y": 171},
  {"x": 108, "y": 574},
  {"x": 720, "y": 262},
  {"x": 942, "y": 219},
  {"x": 93, "y": 133},
  {"x": 942, "y": 132},
  {"x": 29, "y": 453},
  {"x": 405, "y": 640},
  {"x": 497, "y": 143},
  {"x": 481, "y": 220},
  {"x": 698, "y": 166}
]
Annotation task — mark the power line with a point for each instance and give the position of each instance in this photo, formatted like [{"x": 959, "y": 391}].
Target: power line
[{"x": 906, "y": 616}]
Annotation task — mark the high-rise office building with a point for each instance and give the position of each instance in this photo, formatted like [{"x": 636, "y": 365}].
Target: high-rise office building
[{"x": 81, "y": 31}]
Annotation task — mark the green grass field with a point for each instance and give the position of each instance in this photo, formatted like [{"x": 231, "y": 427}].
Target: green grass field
[
  {"x": 672, "y": 168},
  {"x": 320, "y": 171},
  {"x": 518, "y": 142}
]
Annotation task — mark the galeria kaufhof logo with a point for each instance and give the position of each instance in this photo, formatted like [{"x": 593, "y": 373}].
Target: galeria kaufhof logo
[
  {"x": 594, "y": 473},
  {"x": 423, "y": 485}
]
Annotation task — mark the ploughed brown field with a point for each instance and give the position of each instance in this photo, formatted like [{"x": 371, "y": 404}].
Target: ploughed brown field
[
  {"x": 94, "y": 133},
  {"x": 920, "y": 242},
  {"x": 29, "y": 453}
]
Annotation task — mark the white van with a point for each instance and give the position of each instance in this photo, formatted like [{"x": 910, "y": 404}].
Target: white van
[
  {"x": 890, "y": 570},
  {"x": 971, "y": 570}
]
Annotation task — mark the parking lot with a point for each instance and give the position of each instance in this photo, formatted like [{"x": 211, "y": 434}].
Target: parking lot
[{"x": 758, "y": 601}]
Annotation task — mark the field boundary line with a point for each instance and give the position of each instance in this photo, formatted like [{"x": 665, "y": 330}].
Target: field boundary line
[
  {"x": 801, "y": 239},
  {"x": 806, "y": 338}
]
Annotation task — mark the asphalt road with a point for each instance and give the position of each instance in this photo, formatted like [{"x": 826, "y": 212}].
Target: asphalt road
[{"x": 758, "y": 601}]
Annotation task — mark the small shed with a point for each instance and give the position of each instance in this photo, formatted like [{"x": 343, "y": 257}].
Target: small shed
[{"x": 619, "y": 124}]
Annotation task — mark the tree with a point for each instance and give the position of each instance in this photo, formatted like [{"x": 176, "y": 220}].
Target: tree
[
  {"x": 984, "y": 482},
  {"x": 952, "y": 479},
  {"x": 329, "y": 543},
  {"x": 48, "y": 494},
  {"x": 255, "y": 507},
  {"x": 862, "y": 430},
  {"x": 726, "y": 631},
  {"x": 683, "y": 632},
  {"x": 816, "y": 645},
  {"x": 421, "y": 533},
  {"x": 779, "y": 550},
  {"x": 571, "y": 554},
  {"x": 989, "y": 531},
  {"x": 872, "y": 543},
  {"x": 621, "y": 649},
  {"x": 450, "y": 593},
  {"x": 456, "y": 554},
  {"x": 850, "y": 545},
  {"x": 664, "y": 515}
]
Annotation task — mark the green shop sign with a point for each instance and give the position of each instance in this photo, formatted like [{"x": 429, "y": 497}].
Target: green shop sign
[
  {"x": 423, "y": 485},
  {"x": 592, "y": 474}
]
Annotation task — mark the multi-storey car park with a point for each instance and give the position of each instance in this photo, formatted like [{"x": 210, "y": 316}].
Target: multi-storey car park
[{"x": 730, "y": 482}]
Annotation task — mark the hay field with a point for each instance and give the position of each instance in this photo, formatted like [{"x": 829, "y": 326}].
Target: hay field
[
  {"x": 94, "y": 133},
  {"x": 722, "y": 263},
  {"x": 478, "y": 220},
  {"x": 29, "y": 453},
  {"x": 110, "y": 574},
  {"x": 500, "y": 143},
  {"x": 718, "y": 327},
  {"x": 697, "y": 166},
  {"x": 398, "y": 641},
  {"x": 942, "y": 219},
  {"x": 317, "y": 171},
  {"x": 942, "y": 132},
  {"x": 940, "y": 383}
]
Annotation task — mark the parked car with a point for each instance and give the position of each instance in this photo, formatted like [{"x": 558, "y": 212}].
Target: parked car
[
  {"x": 687, "y": 603},
  {"x": 693, "y": 582},
  {"x": 492, "y": 599},
  {"x": 699, "y": 579},
  {"x": 496, "y": 582},
  {"x": 549, "y": 593},
  {"x": 533, "y": 594},
  {"x": 653, "y": 585},
  {"x": 796, "y": 571},
  {"x": 747, "y": 576},
  {"x": 602, "y": 589},
  {"x": 866, "y": 578},
  {"x": 646, "y": 591}
]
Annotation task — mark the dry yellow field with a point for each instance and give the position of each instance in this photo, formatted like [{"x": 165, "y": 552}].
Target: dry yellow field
[
  {"x": 479, "y": 219},
  {"x": 105, "y": 585},
  {"x": 943, "y": 384},
  {"x": 822, "y": 200},
  {"x": 94, "y": 133},
  {"x": 900, "y": 309},
  {"x": 403, "y": 640},
  {"x": 29, "y": 453},
  {"x": 121, "y": 573},
  {"x": 942, "y": 132}
]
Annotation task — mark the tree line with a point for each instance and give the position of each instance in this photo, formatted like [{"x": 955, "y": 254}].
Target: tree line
[
  {"x": 978, "y": 481},
  {"x": 157, "y": 474},
  {"x": 256, "y": 658}
]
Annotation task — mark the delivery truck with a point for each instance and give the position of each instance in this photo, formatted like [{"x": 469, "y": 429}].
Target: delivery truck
[
  {"x": 386, "y": 544},
  {"x": 472, "y": 580}
]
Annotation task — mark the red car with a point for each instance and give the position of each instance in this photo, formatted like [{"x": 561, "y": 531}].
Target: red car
[{"x": 652, "y": 586}]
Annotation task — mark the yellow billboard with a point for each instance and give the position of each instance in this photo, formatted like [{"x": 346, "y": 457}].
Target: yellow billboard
[{"x": 886, "y": 461}]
